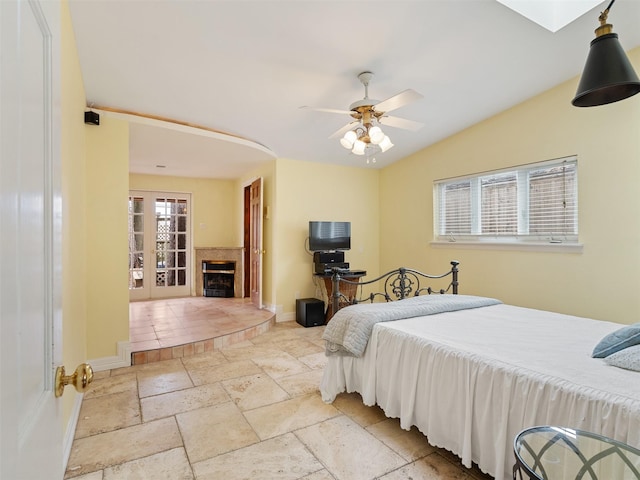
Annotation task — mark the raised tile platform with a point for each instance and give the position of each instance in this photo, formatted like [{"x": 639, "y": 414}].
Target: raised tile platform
[{"x": 181, "y": 327}]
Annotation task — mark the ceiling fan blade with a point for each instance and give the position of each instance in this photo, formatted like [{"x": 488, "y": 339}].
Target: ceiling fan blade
[
  {"x": 403, "y": 123},
  {"x": 328, "y": 110},
  {"x": 399, "y": 100},
  {"x": 345, "y": 129}
]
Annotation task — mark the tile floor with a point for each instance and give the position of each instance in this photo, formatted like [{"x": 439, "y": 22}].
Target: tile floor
[{"x": 250, "y": 410}]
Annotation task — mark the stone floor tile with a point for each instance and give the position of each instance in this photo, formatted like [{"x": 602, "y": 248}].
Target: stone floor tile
[
  {"x": 204, "y": 360},
  {"x": 171, "y": 465},
  {"x": 409, "y": 444},
  {"x": 320, "y": 475},
  {"x": 107, "y": 413},
  {"x": 315, "y": 361},
  {"x": 302, "y": 383},
  {"x": 280, "y": 458},
  {"x": 254, "y": 391},
  {"x": 156, "y": 384},
  {"x": 165, "y": 366},
  {"x": 249, "y": 351},
  {"x": 351, "y": 404},
  {"x": 299, "y": 347},
  {"x": 172, "y": 403},
  {"x": 431, "y": 467},
  {"x": 348, "y": 451},
  {"x": 106, "y": 385},
  {"x": 224, "y": 371},
  {"x": 280, "y": 364},
  {"x": 289, "y": 415},
  {"x": 214, "y": 430},
  {"x": 91, "y": 476},
  {"x": 94, "y": 453}
]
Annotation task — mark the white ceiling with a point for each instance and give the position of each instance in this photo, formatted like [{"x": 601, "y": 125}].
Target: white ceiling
[{"x": 245, "y": 68}]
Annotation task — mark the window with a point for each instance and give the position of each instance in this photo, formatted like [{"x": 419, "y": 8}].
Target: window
[{"x": 536, "y": 203}]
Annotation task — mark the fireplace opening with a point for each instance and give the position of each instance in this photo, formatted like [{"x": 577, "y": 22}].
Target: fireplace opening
[{"x": 218, "y": 278}]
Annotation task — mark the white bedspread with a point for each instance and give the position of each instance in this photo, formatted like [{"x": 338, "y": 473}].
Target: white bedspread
[{"x": 471, "y": 380}]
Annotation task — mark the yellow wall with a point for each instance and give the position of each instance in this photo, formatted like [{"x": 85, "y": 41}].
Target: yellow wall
[
  {"x": 213, "y": 206},
  {"x": 74, "y": 214},
  {"x": 302, "y": 195},
  {"x": 602, "y": 281},
  {"x": 107, "y": 182}
]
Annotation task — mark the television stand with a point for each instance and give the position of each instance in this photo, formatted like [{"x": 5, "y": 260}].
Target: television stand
[{"x": 349, "y": 290}]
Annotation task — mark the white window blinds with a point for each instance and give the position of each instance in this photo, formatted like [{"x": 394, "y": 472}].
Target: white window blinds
[
  {"x": 535, "y": 202},
  {"x": 456, "y": 217}
]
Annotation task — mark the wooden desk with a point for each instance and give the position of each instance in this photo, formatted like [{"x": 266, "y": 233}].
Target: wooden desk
[{"x": 349, "y": 290}]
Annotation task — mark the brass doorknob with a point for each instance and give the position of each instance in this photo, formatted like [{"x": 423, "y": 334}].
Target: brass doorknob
[{"x": 80, "y": 379}]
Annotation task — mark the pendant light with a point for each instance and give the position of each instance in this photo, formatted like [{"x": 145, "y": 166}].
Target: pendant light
[{"x": 608, "y": 75}]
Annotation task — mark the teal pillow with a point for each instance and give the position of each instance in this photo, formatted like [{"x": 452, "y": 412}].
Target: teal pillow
[
  {"x": 628, "y": 358},
  {"x": 618, "y": 340}
]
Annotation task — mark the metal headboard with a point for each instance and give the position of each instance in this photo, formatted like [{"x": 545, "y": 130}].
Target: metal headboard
[{"x": 397, "y": 284}]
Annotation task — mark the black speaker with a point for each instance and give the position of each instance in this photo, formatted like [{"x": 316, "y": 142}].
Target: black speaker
[
  {"x": 328, "y": 257},
  {"x": 309, "y": 312},
  {"x": 91, "y": 118}
]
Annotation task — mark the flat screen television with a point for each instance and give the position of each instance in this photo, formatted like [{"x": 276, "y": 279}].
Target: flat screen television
[{"x": 326, "y": 236}]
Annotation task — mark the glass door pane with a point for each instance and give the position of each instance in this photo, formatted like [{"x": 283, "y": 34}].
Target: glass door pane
[
  {"x": 171, "y": 242},
  {"x": 136, "y": 242}
]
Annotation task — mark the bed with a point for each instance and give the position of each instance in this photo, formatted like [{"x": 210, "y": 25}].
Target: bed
[{"x": 472, "y": 376}]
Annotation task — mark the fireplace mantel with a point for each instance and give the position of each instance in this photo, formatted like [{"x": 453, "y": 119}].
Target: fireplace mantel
[{"x": 234, "y": 254}]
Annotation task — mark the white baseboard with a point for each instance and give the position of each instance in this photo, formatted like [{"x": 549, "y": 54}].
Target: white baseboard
[
  {"x": 270, "y": 307},
  {"x": 280, "y": 315},
  {"x": 70, "y": 431},
  {"x": 122, "y": 359},
  {"x": 285, "y": 317}
]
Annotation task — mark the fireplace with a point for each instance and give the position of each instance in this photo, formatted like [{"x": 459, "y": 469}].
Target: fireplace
[
  {"x": 213, "y": 254},
  {"x": 218, "y": 278}
]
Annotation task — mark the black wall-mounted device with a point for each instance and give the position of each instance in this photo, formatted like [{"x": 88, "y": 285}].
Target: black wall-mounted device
[{"x": 91, "y": 118}]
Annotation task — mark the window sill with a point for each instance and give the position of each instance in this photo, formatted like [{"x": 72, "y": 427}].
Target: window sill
[{"x": 546, "y": 247}]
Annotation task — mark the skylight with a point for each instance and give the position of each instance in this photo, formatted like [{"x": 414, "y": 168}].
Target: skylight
[{"x": 551, "y": 14}]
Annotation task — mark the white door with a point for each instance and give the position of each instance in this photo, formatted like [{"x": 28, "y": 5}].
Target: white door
[
  {"x": 30, "y": 239},
  {"x": 159, "y": 245}
]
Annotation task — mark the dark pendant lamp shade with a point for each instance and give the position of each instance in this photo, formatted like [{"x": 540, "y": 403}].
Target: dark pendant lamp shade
[{"x": 608, "y": 75}]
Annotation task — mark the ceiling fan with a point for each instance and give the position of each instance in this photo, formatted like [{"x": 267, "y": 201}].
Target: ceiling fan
[{"x": 364, "y": 134}]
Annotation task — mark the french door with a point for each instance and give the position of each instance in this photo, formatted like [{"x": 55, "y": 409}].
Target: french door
[{"x": 159, "y": 245}]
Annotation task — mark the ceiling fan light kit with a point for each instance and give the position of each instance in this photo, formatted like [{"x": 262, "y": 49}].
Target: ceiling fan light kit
[
  {"x": 359, "y": 147},
  {"x": 608, "y": 75},
  {"x": 385, "y": 144},
  {"x": 376, "y": 135},
  {"x": 349, "y": 139},
  {"x": 365, "y": 135}
]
